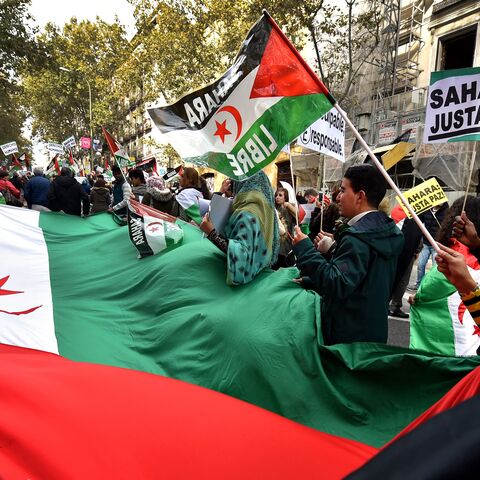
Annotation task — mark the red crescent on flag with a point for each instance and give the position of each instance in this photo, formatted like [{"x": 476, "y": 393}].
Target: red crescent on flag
[
  {"x": 236, "y": 116},
  {"x": 24, "y": 312}
]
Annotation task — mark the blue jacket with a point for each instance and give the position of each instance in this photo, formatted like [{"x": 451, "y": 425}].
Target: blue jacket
[{"x": 36, "y": 191}]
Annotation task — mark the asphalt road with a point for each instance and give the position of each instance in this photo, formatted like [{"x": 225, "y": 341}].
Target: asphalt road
[{"x": 399, "y": 328}]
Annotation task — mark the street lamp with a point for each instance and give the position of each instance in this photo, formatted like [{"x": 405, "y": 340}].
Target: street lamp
[{"x": 89, "y": 109}]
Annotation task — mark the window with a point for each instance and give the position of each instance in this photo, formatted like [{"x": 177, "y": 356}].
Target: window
[{"x": 457, "y": 50}]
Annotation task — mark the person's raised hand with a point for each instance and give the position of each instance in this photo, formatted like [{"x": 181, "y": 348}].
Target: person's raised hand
[
  {"x": 206, "y": 226},
  {"x": 298, "y": 236},
  {"x": 226, "y": 185},
  {"x": 452, "y": 264},
  {"x": 464, "y": 230}
]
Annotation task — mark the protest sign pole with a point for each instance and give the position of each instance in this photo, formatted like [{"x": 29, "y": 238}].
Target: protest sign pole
[
  {"x": 472, "y": 164},
  {"x": 293, "y": 180},
  {"x": 382, "y": 170}
]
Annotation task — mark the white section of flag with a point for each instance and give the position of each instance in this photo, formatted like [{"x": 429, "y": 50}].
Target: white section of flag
[
  {"x": 188, "y": 197},
  {"x": 193, "y": 143},
  {"x": 466, "y": 342},
  {"x": 155, "y": 233},
  {"x": 24, "y": 259}
]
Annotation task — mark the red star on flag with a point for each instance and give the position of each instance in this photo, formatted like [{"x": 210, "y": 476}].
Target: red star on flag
[
  {"x": 6, "y": 292},
  {"x": 222, "y": 130},
  {"x": 153, "y": 229},
  {"x": 476, "y": 330}
]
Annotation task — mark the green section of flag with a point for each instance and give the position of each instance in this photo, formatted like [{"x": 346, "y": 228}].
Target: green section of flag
[
  {"x": 173, "y": 314},
  {"x": 285, "y": 120},
  {"x": 431, "y": 327},
  {"x": 458, "y": 72},
  {"x": 465, "y": 138},
  {"x": 193, "y": 213}
]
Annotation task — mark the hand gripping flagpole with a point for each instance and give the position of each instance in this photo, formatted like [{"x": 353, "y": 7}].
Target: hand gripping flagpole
[{"x": 392, "y": 184}]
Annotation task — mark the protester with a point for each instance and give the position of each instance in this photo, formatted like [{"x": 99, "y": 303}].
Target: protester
[
  {"x": 311, "y": 195},
  {"x": 331, "y": 214},
  {"x": 100, "y": 196},
  {"x": 121, "y": 192},
  {"x": 10, "y": 193},
  {"x": 432, "y": 220},
  {"x": 411, "y": 249},
  {"x": 225, "y": 189},
  {"x": 17, "y": 182},
  {"x": 355, "y": 284},
  {"x": 464, "y": 230},
  {"x": 453, "y": 265},
  {"x": 67, "y": 195},
  {"x": 251, "y": 239},
  {"x": 300, "y": 199},
  {"x": 137, "y": 179},
  {"x": 207, "y": 194},
  {"x": 157, "y": 195},
  {"x": 36, "y": 191},
  {"x": 185, "y": 205},
  {"x": 434, "y": 310},
  {"x": 287, "y": 213}
]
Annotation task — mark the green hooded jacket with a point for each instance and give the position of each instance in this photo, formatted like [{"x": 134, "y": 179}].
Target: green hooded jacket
[{"x": 356, "y": 283}]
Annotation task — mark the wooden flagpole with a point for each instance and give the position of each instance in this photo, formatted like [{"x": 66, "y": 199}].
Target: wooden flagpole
[
  {"x": 293, "y": 180},
  {"x": 392, "y": 184},
  {"x": 472, "y": 164}
]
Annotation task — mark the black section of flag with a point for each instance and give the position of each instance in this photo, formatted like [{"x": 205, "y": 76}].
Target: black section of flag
[
  {"x": 136, "y": 231},
  {"x": 205, "y": 102}
]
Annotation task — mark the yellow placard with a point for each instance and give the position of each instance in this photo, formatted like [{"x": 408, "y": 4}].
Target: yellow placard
[
  {"x": 424, "y": 196},
  {"x": 393, "y": 156}
]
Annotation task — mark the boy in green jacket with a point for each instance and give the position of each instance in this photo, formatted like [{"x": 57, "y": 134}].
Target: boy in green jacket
[{"x": 355, "y": 284}]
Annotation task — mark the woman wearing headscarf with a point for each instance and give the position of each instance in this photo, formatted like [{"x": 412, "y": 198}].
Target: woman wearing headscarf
[
  {"x": 157, "y": 195},
  {"x": 186, "y": 203},
  {"x": 251, "y": 239}
]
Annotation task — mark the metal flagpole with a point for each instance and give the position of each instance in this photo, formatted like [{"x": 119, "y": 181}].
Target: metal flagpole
[
  {"x": 382, "y": 170},
  {"x": 472, "y": 164}
]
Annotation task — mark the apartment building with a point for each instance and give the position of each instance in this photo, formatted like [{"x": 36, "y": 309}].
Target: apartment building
[{"x": 419, "y": 37}]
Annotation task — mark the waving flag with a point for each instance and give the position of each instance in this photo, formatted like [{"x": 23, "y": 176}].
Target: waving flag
[
  {"x": 239, "y": 123},
  {"x": 16, "y": 165},
  {"x": 117, "y": 150},
  {"x": 150, "y": 230}
]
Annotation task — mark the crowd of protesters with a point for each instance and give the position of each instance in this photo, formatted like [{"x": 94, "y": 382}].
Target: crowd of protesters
[{"x": 354, "y": 255}]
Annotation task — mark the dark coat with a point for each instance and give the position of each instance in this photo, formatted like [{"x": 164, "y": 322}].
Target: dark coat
[
  {"x": 355, "y": 284},
  {"x": 100, "y": 199},
  {"x": 67, "y": 194},
  {"x": 36, "y": 191}
]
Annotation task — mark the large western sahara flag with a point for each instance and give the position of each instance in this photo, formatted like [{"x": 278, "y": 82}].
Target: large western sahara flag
[
  {"x": 173, "y": 314},
  {"x": 238, "y": 124}
]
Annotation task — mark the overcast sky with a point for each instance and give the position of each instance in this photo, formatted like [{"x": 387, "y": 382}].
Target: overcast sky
[{"x": 60, "y": 11}]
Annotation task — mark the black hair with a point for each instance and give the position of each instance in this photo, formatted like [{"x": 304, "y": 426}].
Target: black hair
[
  {"x": 310, "y": 191},
  {"x": 65, "y": 171},
  {"x": 116, "y": 169},
  {"x": 369, "y": 179},
  {"x": 137, "y": 173},
  {"x": 472, "y": 209}
]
